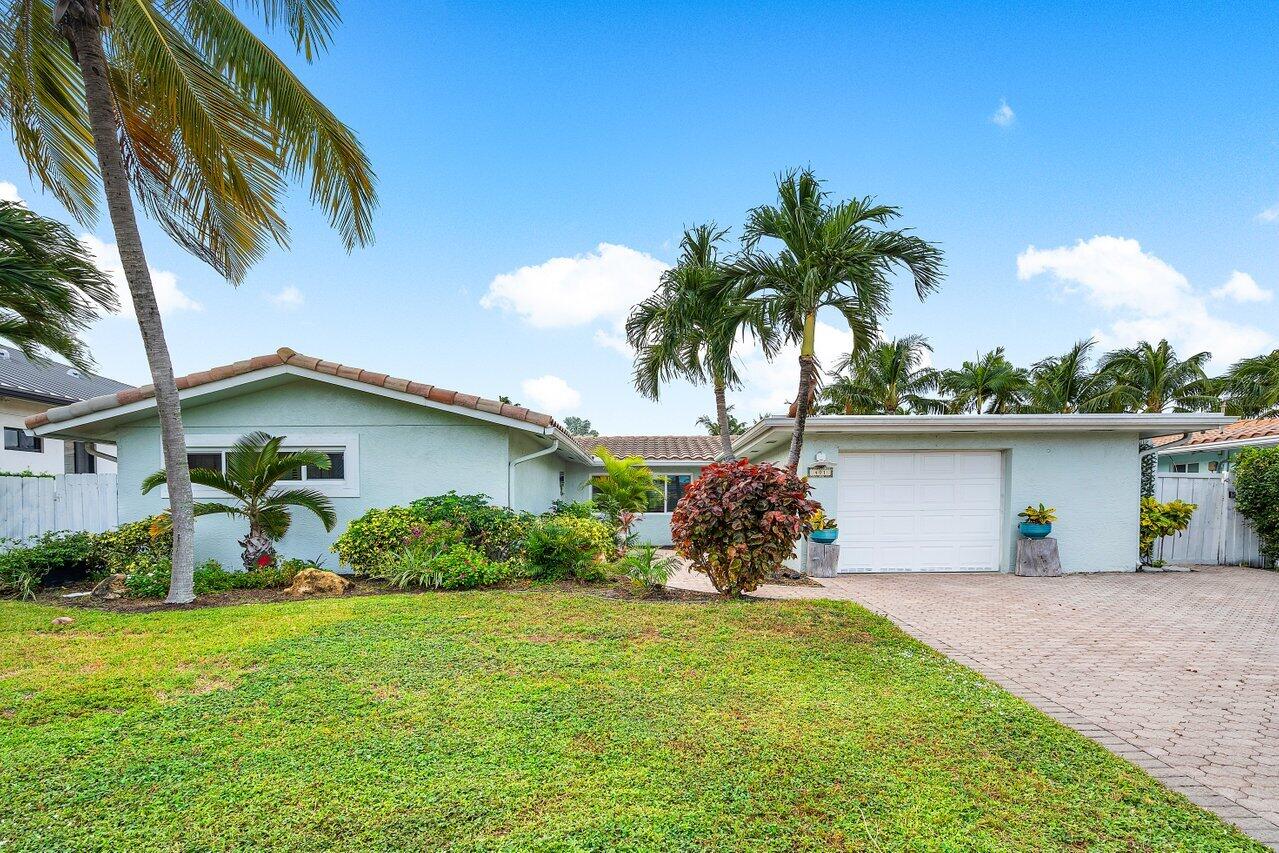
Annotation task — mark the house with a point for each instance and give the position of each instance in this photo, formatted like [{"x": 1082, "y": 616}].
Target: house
[
  {"x": 29, "y": 387},
  {"x": 911, "y": 493},
  {"x": 942, "y": 492},
  {"x": 1210, "y": 452}
]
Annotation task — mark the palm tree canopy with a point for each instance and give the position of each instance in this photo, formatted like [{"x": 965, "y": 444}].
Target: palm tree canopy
[
  {"x": 891, "y": 378},
  {"x": 838, "y": 255},
  {"x": 1067, "y": 383},
  {"x": 213, "y": 125},
  {"x": 688, "y": 327},
  {"x": 254, "y": 469},
  {"x": 1152, "y": 379},
  {"x": 1252, "y": 386},
  {"x": 989, "y": 385},
  {"x": 50, "y": 289},
  {"x": 625, "y": 485}
]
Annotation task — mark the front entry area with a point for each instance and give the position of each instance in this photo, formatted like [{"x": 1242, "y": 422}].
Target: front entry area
[{"x": 920, "y": 511}]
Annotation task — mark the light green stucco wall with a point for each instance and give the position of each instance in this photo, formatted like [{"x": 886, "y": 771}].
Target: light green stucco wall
[
  {"x": 407, "y": 451},
  {"x": 1203, "y": 457},
  {"x": 1092, "y": 479}
]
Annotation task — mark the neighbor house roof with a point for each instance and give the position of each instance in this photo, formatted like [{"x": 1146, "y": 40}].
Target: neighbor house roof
[
  {"x": 288, "y": 358},
  {"x": 49, "y": 381},
  {"x": 701, "y": 448},
  {"x": 1239, "y": 433}
]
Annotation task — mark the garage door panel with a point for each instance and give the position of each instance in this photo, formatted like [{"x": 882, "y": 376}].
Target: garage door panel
[{"x": 920, "y": 511}]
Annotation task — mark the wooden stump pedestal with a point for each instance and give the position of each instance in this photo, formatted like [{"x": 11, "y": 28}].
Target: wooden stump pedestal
[
  {"x": 1037, "y": 558},
  {"x": 823, "y": 560}
]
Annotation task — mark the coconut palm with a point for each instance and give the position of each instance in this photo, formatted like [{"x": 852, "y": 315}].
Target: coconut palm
[
  {"x": 255, "y": 468},
  {"x": 1252, "y": 387},
  {"x": 889, "y": 379},
  {"x": 1067, "y": 383},
  {"x": 837, "y": 255},
  {"x": 182, "y": 105},
  {"x": 1153, "y": 379},
  {"x": 688, "y": 328},
  {"x": 50, "y": 289},
  {"x": 712, "y": 424},
  {"x": 991, "y": 384}
]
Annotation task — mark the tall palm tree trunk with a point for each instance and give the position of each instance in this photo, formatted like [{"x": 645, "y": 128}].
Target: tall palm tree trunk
[
  {"x": 84, "y": 28},
  {"x": 725, "y": 430},
  {"x": 807, "y": 371}
]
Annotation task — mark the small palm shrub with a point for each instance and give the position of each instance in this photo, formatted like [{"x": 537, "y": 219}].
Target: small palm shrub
[
  {"x": 26, "y": 563},
  {"x": 113, "y": 550},
  {"x": 646, "y": 568},
  {"x": 1256, "y": 474},
  {"x": 1162, "y": 519},
  {"x": 564, "y": 546},
  {"x": 738, "y": 522}
]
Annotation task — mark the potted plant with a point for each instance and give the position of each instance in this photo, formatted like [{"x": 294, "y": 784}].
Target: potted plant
[
  {"x": 1038, "y": 523},
  {"x": 824, "y": 528}
]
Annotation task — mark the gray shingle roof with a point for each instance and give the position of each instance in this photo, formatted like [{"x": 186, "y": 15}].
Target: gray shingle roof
[{"x": 49, "y": 381}]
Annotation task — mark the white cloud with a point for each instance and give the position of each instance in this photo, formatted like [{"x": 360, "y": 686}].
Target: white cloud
[
  {"x": 1270, "y": 214},
  {"x": 1153, "y": 300},
  {"x": 288, "y": 299},
  {"x": 1242, "y": 287},
  {"x": 9, "y": 192},
  {"x": 597, "y": 287},
  {"x": 551, "y": 394},
  {"x": 1004, "y": 116},
  {"x": 168, "y": 295},
  {"x": 770, "y": 386}
]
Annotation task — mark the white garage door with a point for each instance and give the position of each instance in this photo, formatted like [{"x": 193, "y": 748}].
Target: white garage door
[{"x": 920, "y": 511}]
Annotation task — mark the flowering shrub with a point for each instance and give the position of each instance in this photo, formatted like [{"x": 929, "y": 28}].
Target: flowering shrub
[
  {"x": 497, "y": 531},
  {"x": 374, "y": 536},
  {"x": 738, "y": 522},
  {"x": 113, "y": 550}
]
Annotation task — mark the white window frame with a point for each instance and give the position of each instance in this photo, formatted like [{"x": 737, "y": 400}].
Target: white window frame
[
  {"x": 348, "y": 444},
  {"x": 1185, "y": 467}
]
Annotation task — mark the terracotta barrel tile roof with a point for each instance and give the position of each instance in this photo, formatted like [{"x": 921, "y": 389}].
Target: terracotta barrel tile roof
[
  {"x": 1237, "y": 431},
  {"x": 691, "y": 447},
  {"x": 284, "y": 355}
]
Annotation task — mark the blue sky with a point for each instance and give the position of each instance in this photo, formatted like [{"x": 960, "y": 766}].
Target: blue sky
[{"x": 1130, "y": 189}]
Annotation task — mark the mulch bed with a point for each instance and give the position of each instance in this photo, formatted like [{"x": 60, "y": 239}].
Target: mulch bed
[{"x": 53, "y": 596}]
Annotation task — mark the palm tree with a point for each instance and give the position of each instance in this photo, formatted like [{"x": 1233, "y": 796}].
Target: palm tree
[
  {"x": 181, "y": 104},
  {"x": 713, "y": 427},
  {"x": 1067, "y": 383},
  {"x": 889, "y": 379},
  {"x": 838, "y": 255},
  {"x": 1153, "y": 379},
  {"x": 50, "y": 289},
  {"x": 688, "y": 328},
  {"x": 989, "y": 385},
  {"x": 1252, "y": 387},
  {"x": 254, "y": 469}
]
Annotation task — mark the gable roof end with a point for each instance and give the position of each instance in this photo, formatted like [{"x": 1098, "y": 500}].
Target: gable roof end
[{"x": 286, "y": 356}]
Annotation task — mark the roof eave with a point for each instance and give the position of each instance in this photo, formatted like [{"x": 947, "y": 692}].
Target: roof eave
[{"x": 1229, "y": 444}]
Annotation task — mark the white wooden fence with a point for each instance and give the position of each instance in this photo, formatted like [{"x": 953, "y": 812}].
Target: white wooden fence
[
  {"x": 1218, "y": 534},
  {"x": 34, "y": 505}
]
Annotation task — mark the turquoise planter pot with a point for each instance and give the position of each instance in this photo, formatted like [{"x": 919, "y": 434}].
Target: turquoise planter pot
[
  {"x": 1034, "y": 531},
  {"x": 824, "y": 536}
]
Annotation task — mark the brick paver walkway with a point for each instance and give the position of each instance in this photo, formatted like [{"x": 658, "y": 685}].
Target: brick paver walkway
[{"x": 1176, "y": 672}]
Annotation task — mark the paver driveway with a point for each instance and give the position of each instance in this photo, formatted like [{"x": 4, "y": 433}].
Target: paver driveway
[{"x": 1177, "y": 672}]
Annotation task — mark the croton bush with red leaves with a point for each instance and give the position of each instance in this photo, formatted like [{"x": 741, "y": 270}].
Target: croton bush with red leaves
[{"x": 738, "y": 522}]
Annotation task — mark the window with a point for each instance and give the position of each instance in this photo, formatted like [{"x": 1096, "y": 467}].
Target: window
[
  {"x": 1185, "y": 468},
  {"x": 341, "y": 480},
  {"x": 670, "y": 488},
  {"x": 82, "y": 461},
  {"x": 21, "y": 440}
]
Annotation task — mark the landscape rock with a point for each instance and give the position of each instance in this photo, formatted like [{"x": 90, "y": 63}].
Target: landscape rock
[
  {"x": 63, "y": 620},
  {"x": 110, "y": 587},
  {"x": 318, "y": 582}
]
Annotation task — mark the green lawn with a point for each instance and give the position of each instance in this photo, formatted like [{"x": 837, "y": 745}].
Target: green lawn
[{"x": 539, "y": 720}]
